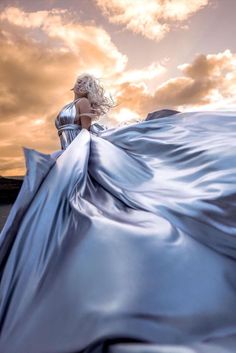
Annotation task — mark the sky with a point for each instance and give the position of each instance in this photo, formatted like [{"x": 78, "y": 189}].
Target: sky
[{"x": 150, "y": 55}]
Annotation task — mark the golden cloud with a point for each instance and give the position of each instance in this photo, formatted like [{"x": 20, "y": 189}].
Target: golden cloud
[
  {"x": 209, "y": 82},
  {"x": 150, "y": 18}
]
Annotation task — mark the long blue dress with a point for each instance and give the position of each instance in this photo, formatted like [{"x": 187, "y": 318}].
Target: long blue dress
[{"x": 124, "y": 240}]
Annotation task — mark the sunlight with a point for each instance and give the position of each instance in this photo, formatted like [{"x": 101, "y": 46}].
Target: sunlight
[
  {"x": 38, "y": 122},
  {"x": 125, "y": 115}
]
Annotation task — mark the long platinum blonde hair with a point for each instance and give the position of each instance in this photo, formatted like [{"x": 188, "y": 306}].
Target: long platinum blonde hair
[{"x": 95, "y": 92}]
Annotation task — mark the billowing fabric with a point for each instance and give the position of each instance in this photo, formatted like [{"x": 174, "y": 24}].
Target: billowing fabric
[{"x": 125, "y": 242}]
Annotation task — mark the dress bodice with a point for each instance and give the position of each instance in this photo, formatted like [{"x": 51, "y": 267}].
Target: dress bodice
[
  {"x": 68, "y": 125},
  {"x": 67, "y": 115}
]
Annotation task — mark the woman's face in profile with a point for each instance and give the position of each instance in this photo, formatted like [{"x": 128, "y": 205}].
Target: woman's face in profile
[{"x": 79, "y": 88}]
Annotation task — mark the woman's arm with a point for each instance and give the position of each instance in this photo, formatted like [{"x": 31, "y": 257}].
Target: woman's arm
[{"x": 83, "y": 107}]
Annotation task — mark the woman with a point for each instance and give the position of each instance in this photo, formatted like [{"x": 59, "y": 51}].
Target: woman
[
  {"x": 88, "y": 105},
  {"x": 125, "y": 240}
]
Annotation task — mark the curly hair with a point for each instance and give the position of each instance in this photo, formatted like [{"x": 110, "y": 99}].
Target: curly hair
[{"x": 92, "y": 86}]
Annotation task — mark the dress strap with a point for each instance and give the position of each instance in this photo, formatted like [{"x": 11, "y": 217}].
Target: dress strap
[{"x": 77, "y": 99}]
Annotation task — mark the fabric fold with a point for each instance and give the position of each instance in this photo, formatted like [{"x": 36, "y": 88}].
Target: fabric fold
[{"x": 37, "y": 165}]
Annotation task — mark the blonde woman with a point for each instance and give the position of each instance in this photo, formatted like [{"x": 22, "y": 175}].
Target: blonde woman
[{"x": 89, "y": 104}]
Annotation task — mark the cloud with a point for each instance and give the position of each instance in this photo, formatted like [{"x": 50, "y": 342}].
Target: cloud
[
  {"x": 43, "y": 52},
  {"x": 153, "y": 18},
  {"x": 36, "y": 19},
  {"x": 148, "y": 73},
  {"x": 209, "y": 82},
  {"x": 91, "y": 44},
  {"x": 208, "y": 78}
]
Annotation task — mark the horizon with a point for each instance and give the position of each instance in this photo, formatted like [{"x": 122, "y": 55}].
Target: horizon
[{"x": 12, "y": 176}]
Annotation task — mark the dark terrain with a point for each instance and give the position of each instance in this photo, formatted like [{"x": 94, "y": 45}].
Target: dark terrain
[{"x": 9, "y": 189}]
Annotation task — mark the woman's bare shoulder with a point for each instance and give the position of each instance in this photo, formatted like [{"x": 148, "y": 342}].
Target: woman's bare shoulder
[
  {"x": 83, "y": 102},
  {"x": 83, "y": 106}
]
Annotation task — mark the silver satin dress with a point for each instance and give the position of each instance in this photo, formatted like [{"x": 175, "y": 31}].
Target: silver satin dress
[
  {"x": 68, "y": 128},
  {"x": 125, "y": 241}
]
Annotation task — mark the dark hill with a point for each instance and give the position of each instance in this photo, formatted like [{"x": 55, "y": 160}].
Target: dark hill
[{"x": 9, "y": 189}]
